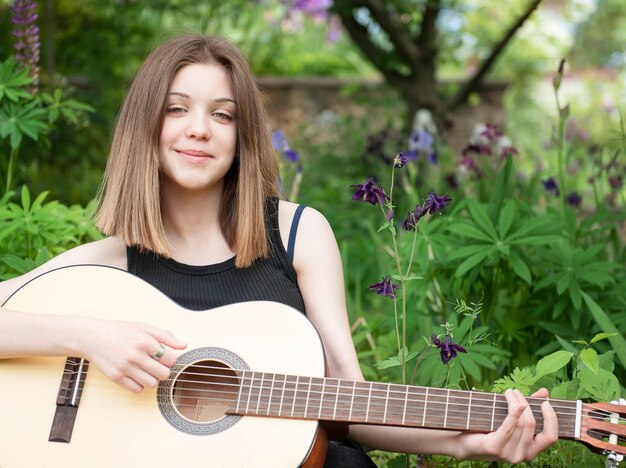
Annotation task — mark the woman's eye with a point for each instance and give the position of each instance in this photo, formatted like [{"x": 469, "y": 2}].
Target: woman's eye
[
  {"x": 175, "y": 110},
  {"x": 223, "y": 116}
]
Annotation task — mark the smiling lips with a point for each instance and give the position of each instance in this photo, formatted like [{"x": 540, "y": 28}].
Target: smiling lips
[{"x": 193, "y": 155}]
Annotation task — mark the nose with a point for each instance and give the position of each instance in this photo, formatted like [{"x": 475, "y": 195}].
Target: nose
[{"x": 198, "y": 127}]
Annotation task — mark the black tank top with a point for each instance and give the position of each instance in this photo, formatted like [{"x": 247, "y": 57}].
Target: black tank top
[{"x": 205, "y": 287}]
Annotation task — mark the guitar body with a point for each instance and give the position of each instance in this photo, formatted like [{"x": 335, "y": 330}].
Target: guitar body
[{"x": 116, "y": 428}]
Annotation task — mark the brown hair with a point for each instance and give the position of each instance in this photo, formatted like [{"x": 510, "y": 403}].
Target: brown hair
[{"x": 130, "y": 202}]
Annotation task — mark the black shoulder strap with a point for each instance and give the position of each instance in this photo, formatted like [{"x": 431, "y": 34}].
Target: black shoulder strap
[{"x": 292, "y": 233}]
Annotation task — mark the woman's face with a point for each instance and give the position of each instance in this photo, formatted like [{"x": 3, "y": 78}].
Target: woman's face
[{"x": 199, "y": 136}]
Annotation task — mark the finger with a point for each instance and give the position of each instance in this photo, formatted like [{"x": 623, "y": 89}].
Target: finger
[
  {"x": 165, "y": 337},
  {"x": 163, "y": 355},
  {"x": 550, "y": 432},
  {"x": 541, "y": 393},
  {"x": 143, "y": 378},
  {"x": 508, "y": 426},
  {"x": 130, "y": 384}
]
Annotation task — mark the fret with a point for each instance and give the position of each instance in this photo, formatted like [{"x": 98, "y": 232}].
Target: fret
[
  {"x": 369, "y": 400},
  {"x": 362, "y": 397},
  {"x": 241, "y": 387},
  {"x": 469, "y": 410},
  {"x": 336, "y": 399},
  {"x": 250, "y": 392},
  {"x": 295, "y": 395},
  {"x": 386, "y": 403},
  {"x": 352, "y": 400},
  {"x": 319, "y": 414},
  {"x": 406, "y": 397},
  {"x": 425, "y": 407},
  {"x": 290, "y": 392},
  {"x": 308, "y": 394},
  {"x": 493, "y": 411},
  {"x": 445, "y": 417},
  {"x": 282, "y": 395},
  {"x": 258, "y": 402},
  {"x": 269, "y": 402},
  {"x": 317, "y": 393}
]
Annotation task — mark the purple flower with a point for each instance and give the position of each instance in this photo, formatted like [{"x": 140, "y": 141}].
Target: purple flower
[
  {"x": 389, "y": 215},
  {"x": 385, "y": 287},
  {"x": 551, "y": 185},
  {"x": 476, "y": 149},
  {"x": 492, "y": 132},
  {"x": 447, "y": 348},
  {"x": 434, "y": 203},
  {"x": 369, "y": 192},
  {"x": 615, "y": 182},
  {"x": 400, "y": 160},
  {"x": 412, "y": 218},
  {"x": 280, "y": 143},
  {"x": 508, "y": 150},
  {"x": 421, "y": 142},
  {"x": 26, "y": 33},
  {"x": 573, "y": 199}
]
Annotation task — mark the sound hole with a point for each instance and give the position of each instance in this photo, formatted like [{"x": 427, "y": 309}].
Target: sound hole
[{"x": 205, "y": 390}]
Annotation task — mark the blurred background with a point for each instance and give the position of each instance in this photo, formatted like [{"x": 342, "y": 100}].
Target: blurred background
[{"x": 513, "y": 109}]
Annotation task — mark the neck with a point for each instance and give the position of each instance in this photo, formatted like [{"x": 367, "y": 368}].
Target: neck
[
  {"x": 329, "y": 399},
  {"x": 191, "y": 220}
]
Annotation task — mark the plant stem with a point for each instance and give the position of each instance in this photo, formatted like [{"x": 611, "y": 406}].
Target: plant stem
[
  {"x": 561, "y": 151},
  {"x": 10, "y": 170}
]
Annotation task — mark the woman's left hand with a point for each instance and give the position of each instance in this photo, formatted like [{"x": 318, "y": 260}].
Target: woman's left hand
[{"x": 515, "y": 440}]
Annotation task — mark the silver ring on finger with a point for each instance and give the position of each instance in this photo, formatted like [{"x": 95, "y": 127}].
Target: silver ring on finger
[{"x": 160, "y": 352}]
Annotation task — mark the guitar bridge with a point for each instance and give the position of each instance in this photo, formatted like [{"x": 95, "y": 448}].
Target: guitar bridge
[{"x": 68, "y": 398}]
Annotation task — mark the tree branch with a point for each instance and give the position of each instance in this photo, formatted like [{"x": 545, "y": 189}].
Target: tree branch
[
  {"x": 401, "y": 39},
  {"x": 361, "y": 38},
  {"x": 427, "y": 39},
  {"x": 475, "y": 81}
]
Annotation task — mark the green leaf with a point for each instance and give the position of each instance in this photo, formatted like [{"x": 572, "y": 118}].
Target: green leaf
[
  {"x": 470, "y": 263},
  {"x": 562, "y": 283},
  {"x": 468, "y": 251},
  {"x": 569, "y": 390},
  {"x": 552, "y": 363},
  {"x": 602, "y": 386},
  {"x": 500, "y": 189},
  {"x": 519, "y": 267},
  {"x": 506, "y": 217},
  {"x": 617, "y": 340},
  {"x": 601, "y": 336},
  {"x": 469, "y": 230},
  {"x": 481, "y": 217},
  {"x": 574, "y": 293},
  {"x": 590, "y": 358},
  {"x": 521, "y": 379},
  {"x": 25, "y": 198}
]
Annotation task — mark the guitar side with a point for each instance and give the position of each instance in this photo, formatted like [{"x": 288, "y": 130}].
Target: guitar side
[{"x": 115, "y": 427}]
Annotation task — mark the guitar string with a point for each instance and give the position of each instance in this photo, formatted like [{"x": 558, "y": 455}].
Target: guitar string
[
  {"x": 475, "y": 395},
  {"x": 349, "y": 383},
  {"x": 500, "y": 411},
  {"x": 501, "y": 407}
]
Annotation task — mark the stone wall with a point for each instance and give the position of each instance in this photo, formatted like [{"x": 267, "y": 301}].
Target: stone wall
[{"x": 294, "y": 103}]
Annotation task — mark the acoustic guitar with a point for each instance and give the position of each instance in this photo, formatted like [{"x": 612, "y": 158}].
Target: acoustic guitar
[{"x": 249, "y": 390}]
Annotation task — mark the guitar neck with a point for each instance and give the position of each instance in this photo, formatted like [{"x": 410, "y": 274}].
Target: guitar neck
[{"x": 328, "y": 399}]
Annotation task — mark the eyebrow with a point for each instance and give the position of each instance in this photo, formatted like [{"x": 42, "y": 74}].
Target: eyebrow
[{"x": 187, "y": 96}]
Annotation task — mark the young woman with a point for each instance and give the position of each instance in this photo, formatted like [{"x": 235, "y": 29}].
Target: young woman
[{"x": 190, "y": 203}]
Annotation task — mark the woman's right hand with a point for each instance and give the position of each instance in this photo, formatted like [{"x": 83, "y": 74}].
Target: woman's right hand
[{"x": 125, "y": 351}]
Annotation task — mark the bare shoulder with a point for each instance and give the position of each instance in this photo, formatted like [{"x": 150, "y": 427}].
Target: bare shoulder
[
  {"x": 312, "y": 223},
  {"x": 109, "y": 251}
]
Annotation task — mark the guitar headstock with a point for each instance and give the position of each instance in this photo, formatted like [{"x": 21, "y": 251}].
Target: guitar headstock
[{"x": 603, "y": 427}]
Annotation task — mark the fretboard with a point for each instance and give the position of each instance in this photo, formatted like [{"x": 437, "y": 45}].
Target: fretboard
[{"x": 329, "y": 399}]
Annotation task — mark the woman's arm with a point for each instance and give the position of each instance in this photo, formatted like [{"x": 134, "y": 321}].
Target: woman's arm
[
  {"x": 320, "y": 277},
  {"x": 121, "y": 350}
]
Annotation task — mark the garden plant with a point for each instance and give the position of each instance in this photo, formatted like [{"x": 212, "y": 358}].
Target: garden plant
[{"x": 468, "y": 270}]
